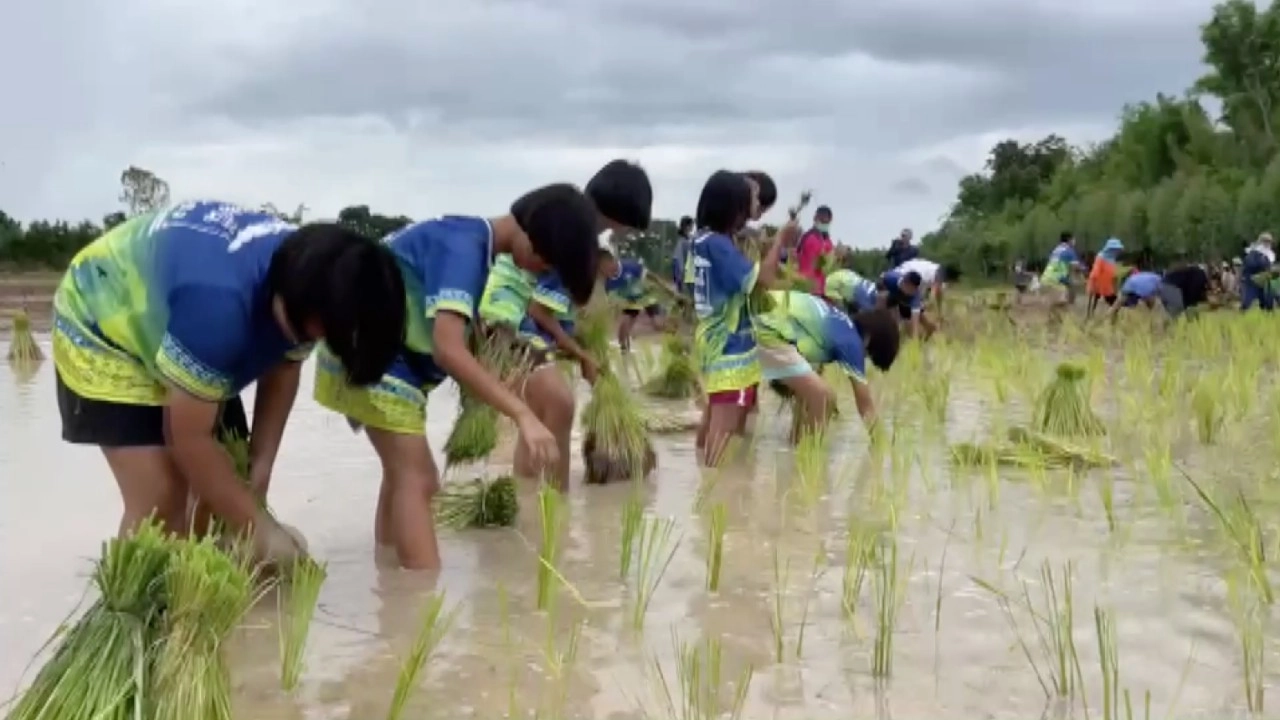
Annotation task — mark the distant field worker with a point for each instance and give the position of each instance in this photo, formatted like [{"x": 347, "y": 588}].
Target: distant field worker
[
  {"x": 1179, "y": 290},
  {"x": 160, "y": 323},
  {"x": 1258, "y": 260},
  {"x": 812, "y": 249},
  {"x": 1101, "y": 284}
]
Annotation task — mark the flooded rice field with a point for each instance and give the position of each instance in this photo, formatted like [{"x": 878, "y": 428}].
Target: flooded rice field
[{"x": 891, "y": 585}]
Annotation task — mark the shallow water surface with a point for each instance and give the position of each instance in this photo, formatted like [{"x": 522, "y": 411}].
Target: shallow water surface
[{"x": 955, "y": 653}]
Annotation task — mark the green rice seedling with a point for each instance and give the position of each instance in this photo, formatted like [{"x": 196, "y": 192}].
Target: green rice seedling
[
  {"x": 478, "y": 504},
  {"x": 431, "y": 630},
  {"x": 935, "y": 392},
  {"x": 889, "y": 595},
  {"x": 1243, "y": 531},
  {"x": 1209, "y": 412},
  {"x": 1106, "y": 495},
  {"x": 1252, "y": 626},
  {"x": 632, "y": 517},
  {"x": 1109, "y": 669},
  {"x": 700, "y": 679},
  {"x": 1063, "y": 407},
  {"x": 23, "y": 348},
  {"x": 552, "y": 516},
  {"x": 811, "y": 455},
  {"x": 615, "y": 444},
  {"x": 859, "y": 553},
  {"x": 715, "y": 546},
  {"x": 815, "y": 575},
  {"x": 656, "y": 548},
  {"x": 560, "y": 662},
  {"x": 677, "y": 377},
  {"x": 100, "y": 667},
  {"x": 296, "y": 605},
  {"x": 777, "y": 615},
  {"x": 1053, "y": 625},
  {"x": 475, "y": 431},
  {"x": 207, "y": 592}
]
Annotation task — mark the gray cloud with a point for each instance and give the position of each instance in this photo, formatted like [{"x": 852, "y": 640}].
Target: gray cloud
[{"x": 424, "y": 107}]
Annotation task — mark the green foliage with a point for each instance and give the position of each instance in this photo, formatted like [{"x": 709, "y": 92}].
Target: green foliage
[{"x": 1172, "y": 181}]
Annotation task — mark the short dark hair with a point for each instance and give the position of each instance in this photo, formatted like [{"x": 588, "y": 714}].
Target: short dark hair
[
  {"x": 352, "y": 286},
  {"x": 768, "y": 190},
  {"x": 824, "y": 211},
  {"x": 881, "y": 337},
  {"x": 725, "y": 203},
  {"x": 912, "y": 277},
  {"x": 560, "y": 223},
  {"x": 686, "y": 223},
  {"x": 622, "y": 193},
  {"x": 1066, "y": 236}
]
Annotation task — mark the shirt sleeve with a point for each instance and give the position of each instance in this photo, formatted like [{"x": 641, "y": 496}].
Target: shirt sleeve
[
  {"x": 551, "y": 295},
  {"x": 845, "y": 346},
  {"x": 731, "y": 270},
  {"x": 207, "y": 335},
  {"x": 457, "y": 271}
]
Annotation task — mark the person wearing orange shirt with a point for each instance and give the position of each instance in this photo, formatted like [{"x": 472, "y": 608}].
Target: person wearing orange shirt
[{"x": 1102, "y": 276}]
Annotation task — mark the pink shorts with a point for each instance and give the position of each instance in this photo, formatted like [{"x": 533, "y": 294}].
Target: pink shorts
[{"x": 745, "y": 398}]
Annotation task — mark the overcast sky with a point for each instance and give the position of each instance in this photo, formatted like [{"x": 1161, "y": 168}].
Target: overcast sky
[{"x": 423, "y": 108}]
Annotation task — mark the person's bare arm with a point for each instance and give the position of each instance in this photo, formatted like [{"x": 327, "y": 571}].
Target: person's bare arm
[
  {"x": 665, "y": 287},
  {"x": 277, "y": 390},
  {"x": 203, "y": 462},
  {"x": 545, "y": 320},
  {"x": 451, "y": 353}
]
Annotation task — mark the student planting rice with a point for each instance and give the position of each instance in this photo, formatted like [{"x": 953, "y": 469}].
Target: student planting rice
[
  {"x": 680, "y": 255},
  {"x": 1178, "y": 290},
  {"x": 904, "y": 291},
  {"x": 932, "y": 287},
  {"x": 1101, "y": 284},
  {"x": 162, "y": 321},
  {"x": 445, "y": 264},
  {"x": 851, "y": 291},
  {"x": 1063, "y": 263},
  {"x": 1258, "y": 260},
  {"x": 803, "y": 332},
  {"x": 723, "y": 281},
  {"x": 629, "y": 283}
]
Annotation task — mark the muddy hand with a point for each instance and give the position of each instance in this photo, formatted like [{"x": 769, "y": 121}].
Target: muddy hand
[{"x": 273, "y": 544}]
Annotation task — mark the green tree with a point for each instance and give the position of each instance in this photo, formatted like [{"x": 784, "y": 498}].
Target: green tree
[{"x": 142, "y": 191}]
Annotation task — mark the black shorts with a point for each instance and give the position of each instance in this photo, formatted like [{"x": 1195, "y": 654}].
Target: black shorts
[
  {"x": 115, "y": 425},
  {"x": 652, "y": 311}
]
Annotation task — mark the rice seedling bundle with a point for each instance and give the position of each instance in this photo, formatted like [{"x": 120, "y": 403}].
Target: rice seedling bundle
[
  {"x": 475, "y": 432},
  {"x": 207, "y": 592},
  {"x": 1063, "y": 407},
  {"x": 22, "y": 344},
  {"x": 677, "y": 377},
  {"x": 297, "y": 605},
  {"x": 478, "y": 504},
  {"x": 615, "y": 445},
  {"x": 101, "y": 666}
]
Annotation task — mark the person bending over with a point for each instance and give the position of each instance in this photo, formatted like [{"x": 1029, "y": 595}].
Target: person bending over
[{"x": 162, "y": 321}]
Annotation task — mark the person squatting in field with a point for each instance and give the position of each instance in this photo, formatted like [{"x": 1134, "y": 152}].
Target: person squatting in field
[
  {"x": 1101, "y": 285},
  {"x": 804, "y": 332},
  {"x": 160, "y": 323},
  {"x": 906, "y": 288},
  {"x": 724, "y": 280},
  {"x": 1180, "y": 290},
  {"x": 445, "y": 264}
]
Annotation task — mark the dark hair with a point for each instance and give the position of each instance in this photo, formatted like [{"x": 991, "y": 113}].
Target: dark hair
[
  {"x": 686, "y": 224},
  {"x": 823, "y": 210},
  {"x": 782, "y": 389},
  {"x": 768, "y": 190},
  {"x": 352, "y": 286},
  {"x": 622, "y": 193},
  {"x": 725, "y": 203},
  {"x": 560, "y": 223},
  {"x": 1066, "y": 236},
  {"x": 880, "y": 336},
  {"x": 912, "y": 277}
]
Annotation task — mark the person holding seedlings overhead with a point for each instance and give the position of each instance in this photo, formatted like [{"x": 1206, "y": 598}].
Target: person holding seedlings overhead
[
  {"x": 803, "y": 332},
  {"x": 445, "y": 264},
  {"x": 724, "y": 279},
  {"x": 162, "y": 321}
]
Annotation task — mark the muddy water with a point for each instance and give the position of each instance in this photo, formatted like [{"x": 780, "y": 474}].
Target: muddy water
[{"x": 1175, "y": 639}]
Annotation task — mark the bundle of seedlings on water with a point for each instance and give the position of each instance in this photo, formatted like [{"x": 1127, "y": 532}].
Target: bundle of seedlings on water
[
  {"x": 22, "y": 344},
  {"x": 616, "y": 444},
  {"x": 101, "y": 666},
  {"x": 208, "y": 591},
  {"x": 677, "y": 378},
  {"x": 1063, "y": 407},
  {"x": 297, "y": 600},
  {"x": 475, "y": 433},
  {"x": 478, "y": 504}
]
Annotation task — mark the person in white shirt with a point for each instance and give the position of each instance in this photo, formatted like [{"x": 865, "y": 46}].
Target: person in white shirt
[{"x": 932, "y": 284}]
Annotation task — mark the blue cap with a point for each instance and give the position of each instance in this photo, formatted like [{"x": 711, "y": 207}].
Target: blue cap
[{"x": 1113, "y": 244}]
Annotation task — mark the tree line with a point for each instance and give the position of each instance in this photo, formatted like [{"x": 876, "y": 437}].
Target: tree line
[{"x": 1173, "y": 182}]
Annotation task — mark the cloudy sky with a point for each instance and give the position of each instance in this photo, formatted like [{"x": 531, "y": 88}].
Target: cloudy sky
[{"x": 423, "y": 108}]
